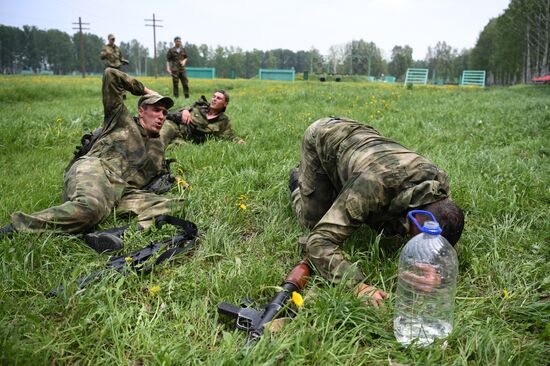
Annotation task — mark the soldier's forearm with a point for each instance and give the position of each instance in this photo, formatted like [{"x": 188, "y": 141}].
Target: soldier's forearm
[{"x": 330, "y": 262}]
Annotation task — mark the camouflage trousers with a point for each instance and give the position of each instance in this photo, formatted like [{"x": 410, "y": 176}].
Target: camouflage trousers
[
  {"x": 180, "y": 75},
  {"x": 91, "y": 193},
  {"x": 330, "y": 214}
]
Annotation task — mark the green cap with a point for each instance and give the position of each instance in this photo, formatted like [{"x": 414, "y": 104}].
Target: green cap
[
  {"x": 154, "y": 99},
  {"x": 111, "y": 36}
]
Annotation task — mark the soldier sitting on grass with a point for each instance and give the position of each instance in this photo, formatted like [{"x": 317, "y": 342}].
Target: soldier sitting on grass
[
  {"x": 122, "y": 162},
  {"x": 351, "y": 175},
  {"x": 200, "y": 121}
]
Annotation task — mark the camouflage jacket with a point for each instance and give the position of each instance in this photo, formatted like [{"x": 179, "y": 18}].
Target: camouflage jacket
[
  {"x": 174, "y": 58},
  {"x": 125, "y": 150},
  {"x": 112, "y": 56},
  {"x": 376, "y": 180},
  {"x": 201, "y": 127}
]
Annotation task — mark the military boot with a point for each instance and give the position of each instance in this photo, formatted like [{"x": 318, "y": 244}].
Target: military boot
[
  {"x": 293, "y": 180},
  {"x": 106, "y": 240},
  {"x": 7, "y": 231}
]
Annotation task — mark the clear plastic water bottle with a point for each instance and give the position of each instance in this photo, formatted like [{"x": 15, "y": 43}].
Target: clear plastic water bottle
[{"x": 426, "y": 287}]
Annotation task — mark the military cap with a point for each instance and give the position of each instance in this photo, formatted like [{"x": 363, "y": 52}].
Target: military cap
[
  {"x": 154, "y": 99},
  {"x": 111, "y": 36},
  {"x": 177, "y": 38}
]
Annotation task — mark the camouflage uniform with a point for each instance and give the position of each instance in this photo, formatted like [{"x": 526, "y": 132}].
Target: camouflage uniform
[
  {"x": 174, "y": 57},
  {"x": 200, "y": 127},
  {"x": 112, "y": 56},
  {"x": 122, "y": 161},
  {"x": 350, "y": 175}
]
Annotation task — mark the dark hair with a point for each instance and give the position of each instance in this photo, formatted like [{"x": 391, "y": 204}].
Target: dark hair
[
  {"x": 177, "y": 38},
  {"x": 225, "y": 95},
  {"x": 450, "y": 218}
]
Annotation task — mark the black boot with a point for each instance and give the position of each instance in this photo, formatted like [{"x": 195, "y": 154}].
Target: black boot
[
  {"x": 7, "y": 231},
  {"x": 106, "y": 240},
  {"x": 293, "y": 180}
]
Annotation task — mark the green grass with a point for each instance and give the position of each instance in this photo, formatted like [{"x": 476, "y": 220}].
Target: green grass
[{"x": 493, "y": 142}]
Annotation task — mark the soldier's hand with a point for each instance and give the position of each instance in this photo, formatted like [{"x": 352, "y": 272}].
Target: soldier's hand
[
  {"x": 427, "y": 281},
  {"x": 185, "y": 117},
  {"x": 372, "y": 295},
  {"x": 146, "y": 90},
  {"x": 240, "y": 141}
]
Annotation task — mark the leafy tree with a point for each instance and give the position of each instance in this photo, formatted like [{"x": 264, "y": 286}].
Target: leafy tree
[
  {"x": 12, "y": 49},
  {"x": 401, "y": 60}
]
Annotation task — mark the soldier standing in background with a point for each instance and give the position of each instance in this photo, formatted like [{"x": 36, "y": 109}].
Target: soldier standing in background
[
  {"x": 112, "y": 55},
  {"x": 176, "y": 58}
]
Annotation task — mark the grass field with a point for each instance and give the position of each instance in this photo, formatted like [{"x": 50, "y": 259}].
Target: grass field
[{"x": 494, "y": 143}]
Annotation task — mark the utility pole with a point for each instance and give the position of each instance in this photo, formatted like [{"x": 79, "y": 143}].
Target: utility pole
[
  {"x": 82, "y": 62},
  {"x": 155, "y": 26}
]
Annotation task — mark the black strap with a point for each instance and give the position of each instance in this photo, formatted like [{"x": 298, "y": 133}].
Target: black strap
[{"x": 184, "y": 240}]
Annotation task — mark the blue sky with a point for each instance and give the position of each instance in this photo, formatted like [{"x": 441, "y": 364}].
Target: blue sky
[{"x": 248, "y": 24}]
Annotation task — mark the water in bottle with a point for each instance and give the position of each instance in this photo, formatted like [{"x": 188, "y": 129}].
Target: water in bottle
[{"x": 426, "y": 286}]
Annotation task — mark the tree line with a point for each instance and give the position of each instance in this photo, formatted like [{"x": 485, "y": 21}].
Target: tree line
[
  {"x": 515, "y": 46},
  {"x": 512, "y": 48}
]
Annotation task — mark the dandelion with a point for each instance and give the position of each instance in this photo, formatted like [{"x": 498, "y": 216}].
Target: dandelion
[
  {"x": 242, "y": 197},
  {"x": 297, "y": 299},
  {"x": 506, "y": 294},
  {"x": 128, "y": 259},
  {"x": 154, "y": 290},
  {"x": 242, "y": 206},
  {"x": 182, "y": 184},
  {"x": 58, "y": 120}
]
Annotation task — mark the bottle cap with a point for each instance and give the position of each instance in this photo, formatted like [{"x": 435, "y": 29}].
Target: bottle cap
[{"x": 429, "y": 227}]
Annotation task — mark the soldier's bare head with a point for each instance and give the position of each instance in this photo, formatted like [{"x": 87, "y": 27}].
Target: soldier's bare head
[
  {"x": 219, "y": 101},
  {"x": 450, "y": 218},
  {"x": 177, "y": 41}
]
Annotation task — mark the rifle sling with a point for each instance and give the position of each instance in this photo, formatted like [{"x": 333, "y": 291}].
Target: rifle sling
[{"x": 183, "y": 241}]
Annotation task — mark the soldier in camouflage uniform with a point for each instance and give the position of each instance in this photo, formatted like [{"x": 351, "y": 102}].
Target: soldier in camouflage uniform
[
  {"x": 113, "y": 174},
  {"x": 176, "y": 58},
  {"x": 200, "y": 121},
  {"x": 112, "y": 54},
  {"x": 350, "y": 175}
]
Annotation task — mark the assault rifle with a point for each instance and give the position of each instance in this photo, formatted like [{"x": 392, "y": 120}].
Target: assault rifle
[
  {"x": 253, "y": 321},
  {"x": 184, "y": 240}
]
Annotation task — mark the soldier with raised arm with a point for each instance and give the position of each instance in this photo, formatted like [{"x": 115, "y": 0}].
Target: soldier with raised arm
[{"x": 114, "y": 173}]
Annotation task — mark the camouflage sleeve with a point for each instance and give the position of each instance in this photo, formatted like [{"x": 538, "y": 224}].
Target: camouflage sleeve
[
  {"x": 103, "y": 53},
  {"x": 174, "y": 116},
  {"x": 115, "y": 82},
  {"x": 228, "y": 133},
  {"x": 360, "y": 199},
  {"x": 169, "y": 56}
]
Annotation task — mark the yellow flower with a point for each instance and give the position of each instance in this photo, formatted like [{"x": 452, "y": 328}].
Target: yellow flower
[
  {"x": 297, "y": 299},
  {"x": 506, "y": 294},
  {"x": 182, "y": 183},
  {"x": 128, "y": 259},
  {"x": 242, "y": 206},
  {"x": 58, "y": 120},
  {"x": 242, "y": 197},
  {"x": 154, "y": 290}
]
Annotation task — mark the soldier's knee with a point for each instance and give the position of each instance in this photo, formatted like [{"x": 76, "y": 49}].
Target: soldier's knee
[{"x": 91, "y": 210}]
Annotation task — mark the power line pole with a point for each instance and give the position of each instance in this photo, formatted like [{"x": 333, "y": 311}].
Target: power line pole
[
  {"x": 155, "y": 26},
  {"x": 82, "y": 62}
]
